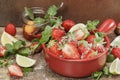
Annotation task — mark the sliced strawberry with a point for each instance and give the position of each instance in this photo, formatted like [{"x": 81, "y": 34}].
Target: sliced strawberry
[
  {"x": 11, "y": 29},
  {"x": 79, "y": 34},
  {"x": 2, "y": 51},
  {"x": 75, "y": 43},
  {"x": 70, "y": 51},
  {"x": 57, "y": 33},
  {"x": 90, "y": 39},
  {"x": 90, "y": 54},
  {"x": 82, "y": 49},
  {"x": 15, "y": 70},
  {"x": 54, "y": 50},
  {"x": 99, "y": 48}
]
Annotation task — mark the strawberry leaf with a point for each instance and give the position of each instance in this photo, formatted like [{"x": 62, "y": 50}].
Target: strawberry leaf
[
  {"x": 51, "y": 43},
  {"x": 99, "y": 39},
  {"x": 91, "y": 25}
]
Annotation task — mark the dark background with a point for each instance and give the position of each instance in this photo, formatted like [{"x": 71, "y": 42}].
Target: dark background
[{"x": 77, "y": 10}]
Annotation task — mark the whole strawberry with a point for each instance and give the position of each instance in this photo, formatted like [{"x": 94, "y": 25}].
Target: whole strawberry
[
  {"x": 67, "y": 24},
  {"x": 11, "y": 29},
  {"x": 116, "y": 52}
]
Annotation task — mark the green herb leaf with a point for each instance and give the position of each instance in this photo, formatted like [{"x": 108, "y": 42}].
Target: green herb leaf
[
  {"x": 18, "y": 44},
  {"x": 39, "y": 20},
  {"x": 10, "y": 48},
  {"x": 29, "y": 12},
  {"x": 46, "y": 34},
  {"x": 110, "y": 58},
  {"x": 57, "y": 22},
  {"x": 101, "y": 34},
  {"x": 91, "y": 25},
  {"x": 106, "y": 70},
  {"x": 27, "y": 70},
  {"x": 99, "y": 39},
  {"x": 97, "y": 75},
  {"x": 52, "y": 11},
  {"x": 5, "y": 61},
  {"x": 35, "y": 40},
  {"x": 24, "y": 51}
]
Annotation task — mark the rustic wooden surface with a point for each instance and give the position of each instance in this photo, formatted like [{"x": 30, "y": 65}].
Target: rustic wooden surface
[
  {"x": 42, "y": 71},
  {"x": 78, "y": 10}
]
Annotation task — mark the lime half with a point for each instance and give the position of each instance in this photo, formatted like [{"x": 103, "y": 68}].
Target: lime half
[
  {"x": 24, "y": 61},
  {"x": 115, "y": 66},
  {"x": 7, "y": 38}
]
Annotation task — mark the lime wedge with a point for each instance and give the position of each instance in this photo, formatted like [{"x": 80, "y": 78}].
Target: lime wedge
[
  {"x": 115, "y": 66},
  {"x": 82, "y": 27},
  {"x": 24, "y": 61},
  {"x": 7, "y": 38}
]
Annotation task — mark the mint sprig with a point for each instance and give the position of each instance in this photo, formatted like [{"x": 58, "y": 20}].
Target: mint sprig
[{"x": 18, "y": 47}]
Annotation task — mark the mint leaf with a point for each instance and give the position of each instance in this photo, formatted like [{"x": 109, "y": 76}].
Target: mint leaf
[
  {"x": 97, "y": 75},
  {"x": 29, "y": 12},
  {"x": 39, "y": 20},
  {"x": 106, "y": 70},
  {"x": 52, "y": 11},
  {"x": 10, "y": 48},
  {"x": 91, "y": 25},
  {"x": 24, "y": 51},
  {"x": 57, "y": 22},
  {"x": 46, "y": 34},
  {"x": 27, "y": 70},
  {"x": 18, "y": 44}
]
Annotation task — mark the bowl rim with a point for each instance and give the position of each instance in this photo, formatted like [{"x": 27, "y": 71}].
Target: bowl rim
[{"x": 80, "y": 60}]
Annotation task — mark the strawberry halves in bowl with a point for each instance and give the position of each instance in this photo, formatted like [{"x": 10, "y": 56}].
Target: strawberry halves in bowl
[{"x": 75, "y": 67}]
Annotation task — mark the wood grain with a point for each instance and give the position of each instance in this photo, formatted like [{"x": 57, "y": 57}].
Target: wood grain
[{"x": 78, "y": 10}]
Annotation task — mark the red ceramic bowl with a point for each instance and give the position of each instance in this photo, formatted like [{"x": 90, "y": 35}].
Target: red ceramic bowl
[{"x": 76, "y": 68}]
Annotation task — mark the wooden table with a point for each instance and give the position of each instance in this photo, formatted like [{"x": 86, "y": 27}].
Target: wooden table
[{"x": 42, "y": 71}]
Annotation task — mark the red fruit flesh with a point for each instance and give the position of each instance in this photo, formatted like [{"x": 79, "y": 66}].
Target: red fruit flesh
[
  {"x": 2, "y": 51},
  {"x": 91, "y": 38},
  {"x": 100, "y": 49},
  {"x": 54, "y": 50},
  {"x": 79, "y": 34},
  {"x": 15, "y": 70},
  {"x": 88, "y": 55},
  {"x": 116, "y": 52},
  {"x": 67, "y": 24},
  {"x": 11, "y": 29},
  {"x": 82, "y": 49},
  {"x": 70, "y": 51},
  {"x": 57, "y": 33}
]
